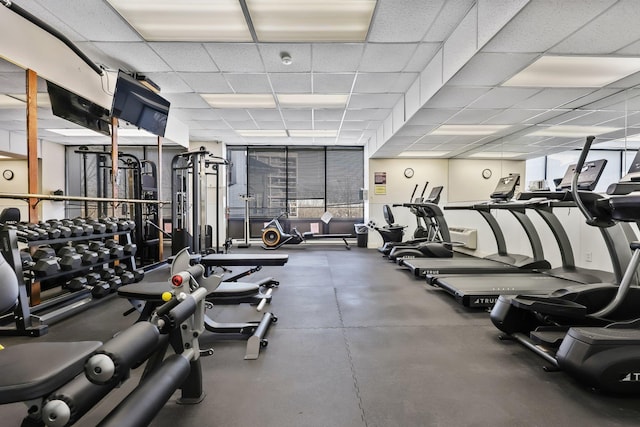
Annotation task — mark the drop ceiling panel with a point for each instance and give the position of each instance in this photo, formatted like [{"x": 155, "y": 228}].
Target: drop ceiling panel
[
  {"x": 552, "y": 98},
  {"x": 265, "y": 114},
  {"x": 234, "y": 115},
  {"x": 270, "y": 125},
  {"x": 493, "y": 15},
  {"x": 388, "y": 57},
  {"x": 536, "y": 29},
  {"x": 242, "y": 124},
  {"x": 235, "y": 57},
  {"x": 291, "y": 114},
  {"x": 409, "y": 130},
  {"x": 185, "y": 56},
  {"x": 291, "y": 82},
  {"x": 300, "y": 55},
  {"x": 206, "y": 82},
  {"x": 186, "y": 100},
  {"x": 300, "y": 124},
  {"x": 627, "y": 82},
  {"x": 472, "y": 116},
  {"x": 491, "y": 69},
  {"x": 367, "y": 114},
  {"x": 503, "y": 97},
  {"x": 332, "y": 83},
  {"x": 383, "y": 100},
  {"x": 604, "y": 118},
  {"x": 431, "y": 116},
  {"x": 213, "y": 124},
  {"x": 184, "y": 114},
  {"x": 512, "y": 116},
  {"x": 336, "y": 57},
  {"x": 137, "y": 56},
  {"x": 326, "y": 124},
  {"x": 596, "y": 38},
  {"x": 169, "y": 82},
  {"x": 416, "y": 18},
  {"x": 423, "y": 54},
  {"x": 455, "y": 97},
  {"x": 449, "y": 17},
  {"x": 249, "y": 83},
  {"x": 377, "y": 82},
  {"x": 355, "y": 125},
  {"x": 328, "y": 114},
  {"x": 589, "y": 100}
]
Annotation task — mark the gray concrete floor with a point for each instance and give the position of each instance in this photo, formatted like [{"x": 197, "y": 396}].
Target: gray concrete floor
[{"x": 360, "y": 342}]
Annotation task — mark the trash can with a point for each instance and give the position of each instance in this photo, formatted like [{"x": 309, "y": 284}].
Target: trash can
[{"x": 362, "y": 234}]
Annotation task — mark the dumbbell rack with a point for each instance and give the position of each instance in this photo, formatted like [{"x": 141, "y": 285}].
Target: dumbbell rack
[{"x": 26, "y": 319}]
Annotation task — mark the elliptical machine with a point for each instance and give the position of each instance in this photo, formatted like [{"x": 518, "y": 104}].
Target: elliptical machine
[
  {"x": 604, "y": 352},
  {"x": 274, "y": 236}
]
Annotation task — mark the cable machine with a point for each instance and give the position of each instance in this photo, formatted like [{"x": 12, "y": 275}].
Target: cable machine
[{"x": 189, "y": 178}]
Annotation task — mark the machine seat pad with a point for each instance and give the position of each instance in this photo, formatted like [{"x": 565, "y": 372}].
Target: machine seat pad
[
  {"x": 145, "y": 291},
  {"x": 34, "y": 370},
  {"x": 230, "y": 289},
  {"x": 244, "y": 260}
]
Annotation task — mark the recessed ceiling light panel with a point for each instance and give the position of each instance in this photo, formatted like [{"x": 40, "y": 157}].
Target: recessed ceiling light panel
[
  {"x": 312, "y": 100},
  {"x": 569, "y": 131},
  {"x": 313, "y": 133},
  {"x": 495, "y": 154},
  {"x": 423, "y": 153},
  {"x": 469, "y": 130},
  {"x": 258, "y": 133},
  {"x": 575, "y": 71},
  {"x": 193, "y": 20},
  {"x": 311, "y": 20},
  {"x": 239, "y": 100}
]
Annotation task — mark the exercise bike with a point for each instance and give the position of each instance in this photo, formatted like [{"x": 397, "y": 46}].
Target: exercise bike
[{"x": 274, "y": 236}]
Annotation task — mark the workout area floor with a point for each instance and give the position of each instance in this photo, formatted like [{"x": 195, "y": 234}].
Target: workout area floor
[{"x": 358, "y": 342}]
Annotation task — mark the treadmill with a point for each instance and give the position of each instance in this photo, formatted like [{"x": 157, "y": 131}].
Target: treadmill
[
  {"x": 483, "y": 290},
  {"x": 501, "y": 262}
]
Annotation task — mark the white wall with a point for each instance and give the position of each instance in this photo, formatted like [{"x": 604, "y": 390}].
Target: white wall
[
  {"x": 399, "y": 188},
  {"x": 17, "y": 185},
  {"x": 53, "y": 178}
]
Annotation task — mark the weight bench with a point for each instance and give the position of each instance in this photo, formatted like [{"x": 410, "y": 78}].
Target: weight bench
[
  {"x": 146, "y": 296},
  {"x": 311, "y": 236}
]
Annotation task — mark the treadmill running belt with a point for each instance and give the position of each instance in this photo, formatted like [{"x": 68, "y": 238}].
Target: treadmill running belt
[{"x": 467, "y": 265}]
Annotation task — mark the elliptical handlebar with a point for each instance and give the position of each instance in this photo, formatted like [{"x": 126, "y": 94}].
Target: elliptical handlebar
[{"x": 576, "y": 175}]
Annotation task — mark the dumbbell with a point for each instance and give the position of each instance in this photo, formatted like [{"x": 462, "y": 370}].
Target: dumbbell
[
  {"x": 98, "y": 227},
  {"x": 52, "y": 232},
  {"x": 111, "y": 226},
  {"x": 31, "y": 232},
  {"x": 57, "y": 225},
  {"x": 46, "y": 262},
  {"x": 23, "y": 231},
  {"x": 125, "y": 275},
  {"x": 130, "y": 249},
  {"x": 68, "y": 258},
  {"x": 138, "y": 275},
  {"x": 114, "y": 283},
  {"x": 98, "y": 290},
  {"x": 88, "y": 257},
  {"x": 87, "y": 229},
  {"x": 98, "y": 247},
  {"x": 106, "y": 273},
  {"x": 115, "y": 250},
  {"x": 76, "y": 230}
]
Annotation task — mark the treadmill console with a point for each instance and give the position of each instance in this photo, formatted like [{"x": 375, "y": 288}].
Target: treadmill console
[
  {"x": 506, "y": 187},
  {"x": 630, "y": 182},
  {"x": 589, "y": 176},
  {"x": 634, "y": 169},
  {"x": 434, "y": 196}
]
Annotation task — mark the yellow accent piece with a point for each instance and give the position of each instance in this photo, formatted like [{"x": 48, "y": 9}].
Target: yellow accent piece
[
  {"x": 166, "y": 296},
  {"x": 1, "y": 347}
]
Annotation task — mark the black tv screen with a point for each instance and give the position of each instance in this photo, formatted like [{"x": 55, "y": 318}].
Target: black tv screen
[
  {"x": 134, "y": 103},
  {"x": 76, "y": 109}
]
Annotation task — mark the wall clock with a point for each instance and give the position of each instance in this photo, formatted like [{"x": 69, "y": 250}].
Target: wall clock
[
  {"x": 7, "y": 174},
  {"x": 486, "y": 173},
  {"x": 408, "y": 172}
]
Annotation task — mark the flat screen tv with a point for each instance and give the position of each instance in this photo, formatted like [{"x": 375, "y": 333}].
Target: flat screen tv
[
  {"x": 143, "y": 108},
  {"x": 76, "y": 109}
]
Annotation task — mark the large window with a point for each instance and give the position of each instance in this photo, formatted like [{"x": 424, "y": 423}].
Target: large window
[{"x": 304, "y": 182}]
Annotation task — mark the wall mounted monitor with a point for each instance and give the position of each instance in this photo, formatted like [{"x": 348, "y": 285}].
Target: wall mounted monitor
[
  {"x": 78, "y": 110},
  {"x": 143, "y": 108}
]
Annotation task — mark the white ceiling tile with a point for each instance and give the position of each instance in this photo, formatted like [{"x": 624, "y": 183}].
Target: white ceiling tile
[
  {"x": 137, "y": 57},
  {"x": 297, "y": 114},
  {"x": 512, "y": 116},
  {"x": 596, "y": 118},
  {"x": 368, "y": 114},
  {"x": 328, "y": 114},
  {"x": 326, "y": 124},
  {"x": 212, "y": 124},
  {"x": 596, "y": 38},
  {"x": 455, "y": 97},
  {"x": 234, "y": 114},
  {"x": 299, "y": 124},
  {"x": 491, "y": 69},
  {"x": 185, "y": 114},
  {"x": 472, "y": 116},
  {"x": 185, "y": 56},
  {"x": 265, "y": 114},
  {"x": 536, "y": 29},
  {"x": 186, "y": 100},
  {"x": 461, "y": 45},
  {"x": 300, "y": 55},
  {"x": 291, "y": 82},
  {"x": 586, "y": 101},
  {"x": 383, "y": 100},
  {"x": 410, "y": 130},
  {"x": 236, "y": 57},
  {"x": 430, "y": 116},
  {"x": 378, "y": 82},
  {"x": 416, "y": 18},
  {"x": 332, "y": 83},
  {"x": 169, "y": 82},
  {"x": 249, "y": 83},
  {"x": 493, "y": 15},
  {"x": 448, "y": 19},
  {"x": 633, "y": 49},
  {"x": 503, "y": 97},
  {"x": 206, "y": 82},
  {"x": 421, "y": 57},
  {"x": 626, "y": 82},
  {"x": 271, "y": 125},
  {"x": 355, "y": 125},
  {"x": 242, "y": 124},
  {"x": 336, "y": 57},
  {"x": 388, "y": 57}
]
